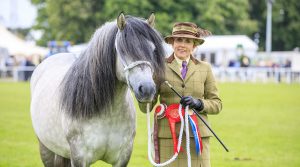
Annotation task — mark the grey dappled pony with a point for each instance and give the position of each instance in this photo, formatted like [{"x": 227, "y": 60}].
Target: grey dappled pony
[{"x": 82, "y": 109}]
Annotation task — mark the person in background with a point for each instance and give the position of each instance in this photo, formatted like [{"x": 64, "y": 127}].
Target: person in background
[
  {"x": 10, "y": 62},
  {"x": 195, "y": 81},
  {"x": 27, "y": 68},
  {"x": 244, "y": 61}
]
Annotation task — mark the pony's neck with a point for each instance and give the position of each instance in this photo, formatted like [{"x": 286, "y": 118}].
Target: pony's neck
[{"x": 89, "y": 85}]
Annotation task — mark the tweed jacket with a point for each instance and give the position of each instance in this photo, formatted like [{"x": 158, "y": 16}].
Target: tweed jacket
[{"x": 199, "y": 83}]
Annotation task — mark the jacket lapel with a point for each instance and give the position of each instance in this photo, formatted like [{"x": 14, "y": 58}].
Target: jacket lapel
[
  {"x": 174, "y": 67},
  {"x": 192, "y": 66},
  {"x": 191, "y": 70}
]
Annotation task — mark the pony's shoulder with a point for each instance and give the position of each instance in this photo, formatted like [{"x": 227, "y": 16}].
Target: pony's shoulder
[
  {"x": 60, "y": 58},
  {"x": 57, "y": 61}
]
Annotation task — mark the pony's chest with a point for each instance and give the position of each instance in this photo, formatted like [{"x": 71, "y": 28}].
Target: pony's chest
[
  {"x": 103, "y": 136},
  {"x": 107, "y": 130}
]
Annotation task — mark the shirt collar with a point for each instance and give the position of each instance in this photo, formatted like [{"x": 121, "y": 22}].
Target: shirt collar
[{"x": 179, "y": 61}]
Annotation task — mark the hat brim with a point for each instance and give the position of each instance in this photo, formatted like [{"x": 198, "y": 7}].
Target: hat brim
[{"x": 198, "y": 41}]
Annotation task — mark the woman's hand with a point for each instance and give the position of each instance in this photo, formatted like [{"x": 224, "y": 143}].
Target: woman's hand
[{"x": 192, "y": 103}]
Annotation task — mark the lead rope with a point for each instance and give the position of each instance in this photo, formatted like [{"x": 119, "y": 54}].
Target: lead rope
[
  {"x": 179, "y": 140},
  {"x": 187, "y": 133}
]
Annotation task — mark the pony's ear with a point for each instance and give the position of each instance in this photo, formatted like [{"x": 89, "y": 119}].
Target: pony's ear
[
  {"x": 121, "y": 21},
  {"x": 151, "y": 20}
]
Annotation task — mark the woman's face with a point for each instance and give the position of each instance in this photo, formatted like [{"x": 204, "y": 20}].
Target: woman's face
[{"x": 183, "y": 47}]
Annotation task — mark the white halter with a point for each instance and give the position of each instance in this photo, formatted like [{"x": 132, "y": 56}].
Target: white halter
[{"x": 132, "y": 65}]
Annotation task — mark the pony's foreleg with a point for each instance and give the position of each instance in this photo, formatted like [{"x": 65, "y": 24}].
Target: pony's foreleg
[
  {"x": 122, "y": 162},
  {"x": 77, "y": 160},
  {"x": 60, "y": 161},
  {"x": 125, "y": 155},
  {"x": 50, "y": 159},
  {"x": 47, "y": 156}
]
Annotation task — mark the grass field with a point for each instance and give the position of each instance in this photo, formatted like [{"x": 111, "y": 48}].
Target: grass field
[{"x": 259, "y": 123}]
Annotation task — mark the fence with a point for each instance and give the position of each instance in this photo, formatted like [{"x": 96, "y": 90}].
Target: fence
[
  {"x": 18, "y": 73},
  {"x": 230, "y": 74},
  {"x": 256, "y": 74}
]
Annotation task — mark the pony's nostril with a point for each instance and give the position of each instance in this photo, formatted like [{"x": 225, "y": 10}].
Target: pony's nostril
[
  {"x": 141, "y": 89},
  {"x": 146, "y": 90}
]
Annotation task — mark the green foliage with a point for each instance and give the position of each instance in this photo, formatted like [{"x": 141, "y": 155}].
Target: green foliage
[
  {"x": 67, "y": 19},
  {"x": 76, "y": 20},
  {"x": 285, "y": 23},
  {"x": 228, "y": 17},
  {"x": 259, "y": 124}
]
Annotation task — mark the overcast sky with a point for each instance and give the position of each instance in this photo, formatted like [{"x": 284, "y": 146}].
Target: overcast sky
[{"x": 17, "y": 13}]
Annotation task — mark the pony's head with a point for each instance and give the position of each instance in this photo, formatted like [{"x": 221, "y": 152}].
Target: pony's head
[
  {"x": 128, "y": 51},
  {"x": 141, "y": 54}
]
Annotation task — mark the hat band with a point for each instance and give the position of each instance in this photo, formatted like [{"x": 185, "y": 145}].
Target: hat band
[
  {"x": 184, "y": 32},
  {"x": 185, "y": 28}
]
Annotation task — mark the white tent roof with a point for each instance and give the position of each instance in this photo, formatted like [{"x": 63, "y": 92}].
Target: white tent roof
[
  {"x": 17, "y": 46},
  {"x": 228, "y": 42}
]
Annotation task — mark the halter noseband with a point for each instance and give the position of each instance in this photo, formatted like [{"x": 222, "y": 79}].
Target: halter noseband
[
  {"x": 132, "y": 65},
  {"x": 136, "y": 63}
]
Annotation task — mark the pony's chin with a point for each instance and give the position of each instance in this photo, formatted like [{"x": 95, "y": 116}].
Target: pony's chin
[{"x": 145, "y": 100}]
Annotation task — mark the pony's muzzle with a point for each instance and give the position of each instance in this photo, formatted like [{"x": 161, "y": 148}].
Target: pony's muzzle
[{"x": 145, "y": 92}]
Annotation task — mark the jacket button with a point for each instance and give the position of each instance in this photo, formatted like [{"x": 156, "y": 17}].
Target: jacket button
[{"x": 182, "y": 85}]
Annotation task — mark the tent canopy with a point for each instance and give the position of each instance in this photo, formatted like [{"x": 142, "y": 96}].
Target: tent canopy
[{"x": 17, "y": 46}]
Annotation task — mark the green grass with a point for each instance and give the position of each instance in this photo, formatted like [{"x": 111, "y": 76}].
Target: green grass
[{"x": 259, "y": 124}]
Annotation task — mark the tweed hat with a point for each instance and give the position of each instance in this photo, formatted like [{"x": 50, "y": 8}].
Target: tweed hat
[{"x": 188, "y": 30}]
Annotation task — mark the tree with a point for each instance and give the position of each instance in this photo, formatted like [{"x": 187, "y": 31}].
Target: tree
[
  {"x": 285, "y": 23},
  {"x": 72, "y": 20},
  {"x": 218, "y": 16},
  {"x": 76, "y": 20}
]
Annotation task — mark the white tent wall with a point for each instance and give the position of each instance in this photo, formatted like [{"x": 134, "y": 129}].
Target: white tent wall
[{"x": 220, "y": 49}]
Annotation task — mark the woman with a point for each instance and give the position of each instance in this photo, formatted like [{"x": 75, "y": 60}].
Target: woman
[{"x": 194, "y": 80}]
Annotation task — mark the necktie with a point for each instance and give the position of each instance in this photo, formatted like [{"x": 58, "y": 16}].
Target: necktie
[{"x": 184, "y": 69}]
